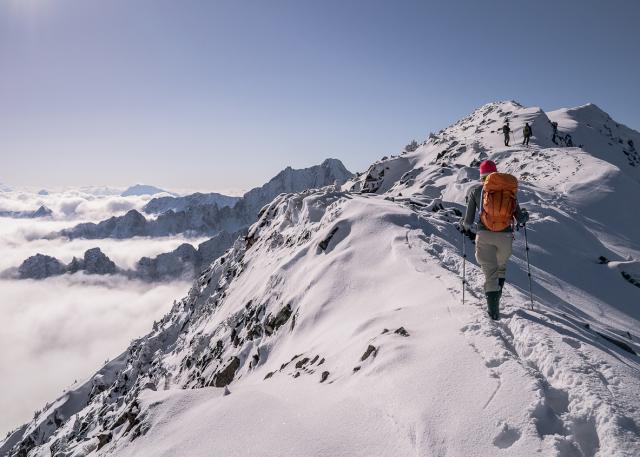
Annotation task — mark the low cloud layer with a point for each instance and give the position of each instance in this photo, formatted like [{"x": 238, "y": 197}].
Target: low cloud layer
[
  {"x": 72, "y": 205},
  {"x": 62, "y": 329},
  {"x": 22, "y": 238}
]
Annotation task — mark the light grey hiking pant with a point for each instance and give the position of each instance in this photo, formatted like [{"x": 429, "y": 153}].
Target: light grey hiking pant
[{"x": 493, "y": 250}]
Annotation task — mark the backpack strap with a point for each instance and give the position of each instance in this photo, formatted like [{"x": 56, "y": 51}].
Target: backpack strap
[{"x": 480, "y": 206}]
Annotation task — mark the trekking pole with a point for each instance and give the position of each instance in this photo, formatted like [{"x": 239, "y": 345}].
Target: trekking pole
[
  {"x": 464, "y": 267},
  {"x": 526, "y": 244}
]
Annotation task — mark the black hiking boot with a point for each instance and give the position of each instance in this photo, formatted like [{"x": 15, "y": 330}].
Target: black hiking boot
[
  {"x": 501, "y": 284},
  {"x": 493, "y": 302}
]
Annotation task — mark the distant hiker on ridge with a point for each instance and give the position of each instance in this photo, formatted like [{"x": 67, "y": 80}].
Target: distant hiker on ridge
[
  {"x": 526, "y": 132},
  {"x": 506, "y": 130},
  {"x": 496, "y": 198}
]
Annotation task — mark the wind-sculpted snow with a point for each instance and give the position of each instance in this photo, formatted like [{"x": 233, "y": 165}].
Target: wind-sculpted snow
[{"x": 335, "y": 326}]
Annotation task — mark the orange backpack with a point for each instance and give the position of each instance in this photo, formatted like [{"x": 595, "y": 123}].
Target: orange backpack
[{"x": 498, "y": 201}]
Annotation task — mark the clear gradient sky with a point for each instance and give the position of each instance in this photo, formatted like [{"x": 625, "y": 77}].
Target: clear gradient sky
[{"x": 208, "y": 94}]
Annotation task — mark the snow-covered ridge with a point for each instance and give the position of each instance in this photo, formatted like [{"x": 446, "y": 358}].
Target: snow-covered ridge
[
  {"x": 474, "y": 137},
  {"x": 601, "y": 136},
  {"x": 346, "y": 305},
  {"x": 160, "y": 205}
]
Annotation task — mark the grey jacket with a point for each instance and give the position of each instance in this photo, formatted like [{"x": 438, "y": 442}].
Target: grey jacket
[{"x": 473, "y": 203}]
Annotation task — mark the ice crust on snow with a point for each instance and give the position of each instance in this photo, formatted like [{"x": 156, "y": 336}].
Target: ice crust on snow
[{"x": 335, "y": 326}]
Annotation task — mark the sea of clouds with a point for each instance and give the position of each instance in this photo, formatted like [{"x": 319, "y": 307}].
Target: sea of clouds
[
  {"x": 59, "y": 330},
  {"x": 74, "y": 204}
]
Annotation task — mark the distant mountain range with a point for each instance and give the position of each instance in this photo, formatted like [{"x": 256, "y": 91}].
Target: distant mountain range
[
  {"x": 184, "y": 262},
  {"x": 221, "y": 217},
  {"x": 200, "y": 214},
  {"x": 161, "y": 205},
  {"x": 43, "y": 211}
]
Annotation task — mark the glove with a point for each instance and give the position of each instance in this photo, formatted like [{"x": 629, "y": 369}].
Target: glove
[
  {"x": 470, "y": 234},
  {"x": 466, "y": 229},
  {"x": 462, "y": 227},
  {"x": 523, "y": 217}
]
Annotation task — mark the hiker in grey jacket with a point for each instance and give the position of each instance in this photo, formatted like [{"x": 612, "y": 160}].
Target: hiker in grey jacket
[{"x": 493, "y": 248}]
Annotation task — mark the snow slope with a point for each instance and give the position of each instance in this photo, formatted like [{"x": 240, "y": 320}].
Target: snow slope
[
  {"x": 603, "y": 137},
  {"x": 336, "y": 326}
]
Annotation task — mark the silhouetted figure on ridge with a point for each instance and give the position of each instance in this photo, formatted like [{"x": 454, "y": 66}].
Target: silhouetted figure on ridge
[
  {"x": 526, "y": 132},
  {"x": 506, "y": 130}
]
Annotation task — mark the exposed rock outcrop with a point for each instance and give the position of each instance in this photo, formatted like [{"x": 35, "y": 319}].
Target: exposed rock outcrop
[
  {"x": 225, "y": 376},
  {"x": 96, "y": 262},
  {"x": 41, "y": 266},
  {"x": 185, "y": 262}
]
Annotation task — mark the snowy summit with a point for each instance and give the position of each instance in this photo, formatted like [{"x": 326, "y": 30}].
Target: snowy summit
[
  {"x": 143, "y": 189},
  {"x": 336, "y": 325}
]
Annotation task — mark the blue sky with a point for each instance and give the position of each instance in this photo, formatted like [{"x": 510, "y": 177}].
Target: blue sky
[{"x": 212, "y": 95}]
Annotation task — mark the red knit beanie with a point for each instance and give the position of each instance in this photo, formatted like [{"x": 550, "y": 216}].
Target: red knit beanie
[{"x": 487, "y": 167}]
